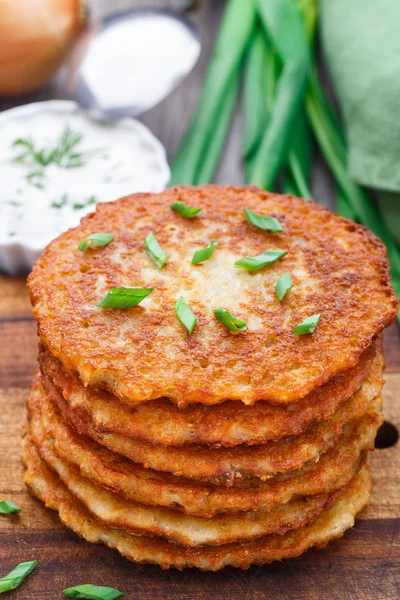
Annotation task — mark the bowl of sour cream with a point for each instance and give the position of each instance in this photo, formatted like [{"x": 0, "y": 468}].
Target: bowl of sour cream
[{"x": 57, "y": 163}]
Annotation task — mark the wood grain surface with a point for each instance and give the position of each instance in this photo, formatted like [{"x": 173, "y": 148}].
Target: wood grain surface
[{"x": 364, "y": 565}]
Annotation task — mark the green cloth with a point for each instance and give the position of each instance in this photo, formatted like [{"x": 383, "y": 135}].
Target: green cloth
[{"x": 361, "y": 44}]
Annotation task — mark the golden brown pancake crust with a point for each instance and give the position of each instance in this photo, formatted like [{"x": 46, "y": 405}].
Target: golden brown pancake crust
[
  {"x": 140, "y": 519},
  {"x": 226, "y": 424},
  {"x": 339, "y": 269},
  {"x": 335, "y": 468},
  {"x": 228, "y": 465},
  {"x": 331, "y": 524}
]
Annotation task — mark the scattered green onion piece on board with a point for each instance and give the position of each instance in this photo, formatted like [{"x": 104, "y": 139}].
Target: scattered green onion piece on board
[
  {"x": 124, "y": 297},
  {"x": 308, "y": 325},
  {"x": 254, "y": 263},
  {"x": 154, "y": 250},
  {"x": 95, "y": 240},
  {"x": 7, "y": 507},
  {"x": 263, "y": 222},
  {"x": 17, "y": 576},
  {"x": 92, "y": 592},
  {"x": 185, "y": 314},
  {"x": 283, "y": 285},
  {"x": 204, "y": 253},
  {"x": 189, "y": 212},
  {"x": 229, "y": 321}
]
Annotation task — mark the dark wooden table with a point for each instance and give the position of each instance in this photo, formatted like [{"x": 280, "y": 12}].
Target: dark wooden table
[{"x": 364, "y": 565}]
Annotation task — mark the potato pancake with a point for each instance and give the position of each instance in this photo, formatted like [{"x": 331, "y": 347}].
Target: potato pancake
[
  {"x": 339, "y": 270},
  {"x": 227, "y": 424},
  {"x": 110, "y": 470},
  {"x": 331, "y": 524}
]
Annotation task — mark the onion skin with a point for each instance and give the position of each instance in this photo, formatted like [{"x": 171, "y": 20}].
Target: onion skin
[{"x": 36, "y": 36}]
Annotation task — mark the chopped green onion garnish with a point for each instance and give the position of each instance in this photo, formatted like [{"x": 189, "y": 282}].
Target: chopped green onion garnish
[
  {"x": 204, "y": 253},
  {"x": 7, "y": 507},
  {"x": 184, "y": 210},
  {"x": 262, "y": 222},
  {"x": 92, "y": 592},
  {"x": 17, "y": 576},
  {"x": 154, "y": 250},
  {"x": 229, "y": 321},
  {"x": 124, "y": 297},
  {"x": 283, "y": 285},
  {"x": 253, "y": 263},
  {"x": 96, "y": 239},
  {"x": 308, "y": 325},
  {"x": 185, "y": 314}
]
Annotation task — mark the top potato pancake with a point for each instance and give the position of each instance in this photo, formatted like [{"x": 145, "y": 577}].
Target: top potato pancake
[{"x": 339, "y": 269}]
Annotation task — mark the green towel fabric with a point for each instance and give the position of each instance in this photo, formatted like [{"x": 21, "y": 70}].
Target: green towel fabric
[{"x": 361, "y": 42}]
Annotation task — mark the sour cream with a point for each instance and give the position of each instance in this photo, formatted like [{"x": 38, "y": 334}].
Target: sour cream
[
  {"x": 116, "y": 158},
  {"x": 135, "y": 61}
]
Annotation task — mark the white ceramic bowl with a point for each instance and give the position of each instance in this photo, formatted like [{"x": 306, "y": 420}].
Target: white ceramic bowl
[{"x": 125, "y": 157}]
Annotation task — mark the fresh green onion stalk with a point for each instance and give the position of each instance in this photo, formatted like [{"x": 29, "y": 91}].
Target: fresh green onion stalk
[
  {"x": 199, "y": 153},
  {"x": 284, "y": 26}
]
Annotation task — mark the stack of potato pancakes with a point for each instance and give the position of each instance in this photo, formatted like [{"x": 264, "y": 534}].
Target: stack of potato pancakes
[{"x": 216, "y": 410}]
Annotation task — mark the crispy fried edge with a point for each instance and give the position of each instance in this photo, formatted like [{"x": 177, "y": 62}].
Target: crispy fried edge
[
  {"x": 215, "y": 425},
  {"x": 331, "y": 524},
  {"x": 218, "y": 467},
  {"x": 149, "y": 487}
]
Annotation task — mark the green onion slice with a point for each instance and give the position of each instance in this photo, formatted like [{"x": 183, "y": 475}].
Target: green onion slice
[
  {"x": 92, "y": 592},
  {"x": 185, "y": 314},
  {"x": 96, "y": 239},
  {"x": 154, "y": 250},
  {"x": 308, "y": 325},
  {"x": 229, "y": 321},
  {"x": 263, "y": 222},
  {"x": 204, "y": 253},
  {"x": 7, "y": 507},
  {"x": 17, "y": 576},
  {"x": 254, "y": 263},
  {"x": 283, "y": 285},
  {"x": 189, "y": 212},
  {"x": 124, "y": 297}
]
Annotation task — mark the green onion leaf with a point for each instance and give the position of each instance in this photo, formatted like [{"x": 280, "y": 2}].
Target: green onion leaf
[
  {"x": 124, "y": 297},
  {"x": 17, "y": 576},
  {"x": 204, "y": 253},
  {"x": 95, "y": 240},
  {"x": 7, "y": 507},
  {"x": 189, "y": 212},
  {"x": 308, "y": 325},
  {"x": 262, "y": 222},
  {"x": 229, "y": 321},
  {"x": 185, "y": 314},
  {"x": 283, "y": 285},
  {"x": 154, "y": 250},
  {"x": 254, "y": 263},
  {"x": 92, "y": 592}
]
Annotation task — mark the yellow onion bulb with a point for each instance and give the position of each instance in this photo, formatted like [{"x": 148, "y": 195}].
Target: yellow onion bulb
[{"x": 35, "y": 38}]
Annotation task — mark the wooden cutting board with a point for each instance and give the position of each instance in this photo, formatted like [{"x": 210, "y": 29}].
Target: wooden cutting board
[{"x": 364, "y": 565}]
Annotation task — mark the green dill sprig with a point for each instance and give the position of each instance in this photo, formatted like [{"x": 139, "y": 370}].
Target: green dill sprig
[{"x": 65, "y": 154}]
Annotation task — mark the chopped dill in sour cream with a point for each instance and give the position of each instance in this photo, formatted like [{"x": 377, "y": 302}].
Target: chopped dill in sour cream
[
  {"x": 65, "y": 154},
  {"x": 64, "y": 201}
]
